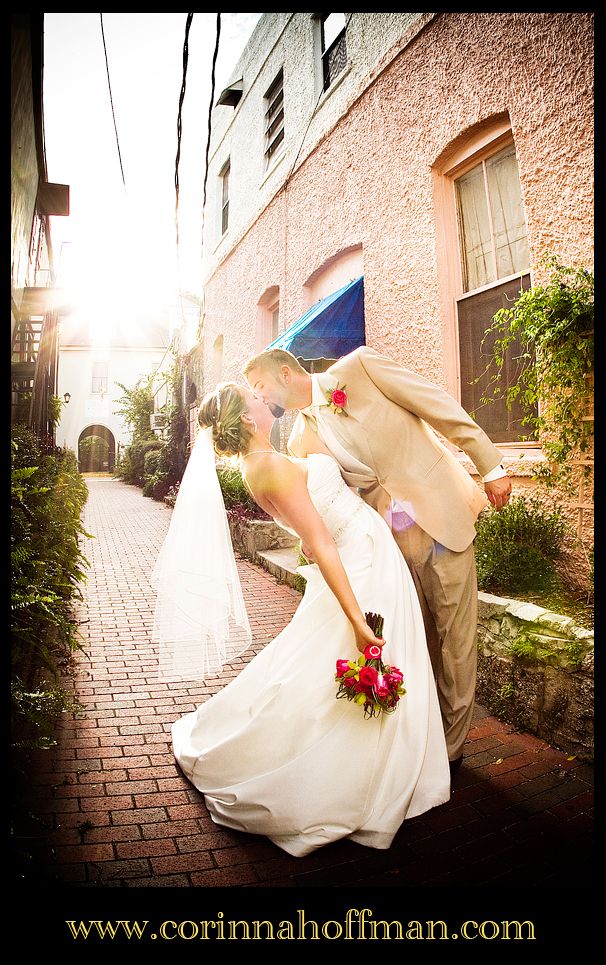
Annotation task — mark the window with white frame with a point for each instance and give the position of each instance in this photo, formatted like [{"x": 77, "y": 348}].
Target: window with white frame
[
  {"x": 268, "y": 318},
  {"x": 99, "y": 377},
  {"x": 333, "y": 46},
  {"x": 224, "y": 178},
  {"x": 274, "y": 312},
  {"x": 491, "y": 220},
  {"x": 274, "y": 117},
  {"x": 494, "y": 268}
]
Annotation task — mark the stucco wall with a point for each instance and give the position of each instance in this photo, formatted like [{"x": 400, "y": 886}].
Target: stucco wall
[
  {"x": 287, "y": 41},
  {"x": 369, "y": 181}
]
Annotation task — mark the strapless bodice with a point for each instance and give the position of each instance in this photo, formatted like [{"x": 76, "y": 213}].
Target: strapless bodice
[{"x": 339, "y": 507}]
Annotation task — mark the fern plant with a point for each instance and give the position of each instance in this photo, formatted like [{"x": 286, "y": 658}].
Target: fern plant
[{"x": 47, "y": 562}]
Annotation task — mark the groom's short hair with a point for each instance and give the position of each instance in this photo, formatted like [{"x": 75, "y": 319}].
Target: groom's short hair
[{"x": 271, "y": 360}]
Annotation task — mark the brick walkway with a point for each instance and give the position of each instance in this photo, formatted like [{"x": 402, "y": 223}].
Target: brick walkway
[{"x": 120, "y": 814}]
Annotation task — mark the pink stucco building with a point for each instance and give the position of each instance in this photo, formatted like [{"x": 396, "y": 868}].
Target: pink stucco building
[{"x": 439, "y": 155}]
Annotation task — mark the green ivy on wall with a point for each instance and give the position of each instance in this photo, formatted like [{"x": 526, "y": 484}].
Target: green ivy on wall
[{"x": 554, "y": 323}]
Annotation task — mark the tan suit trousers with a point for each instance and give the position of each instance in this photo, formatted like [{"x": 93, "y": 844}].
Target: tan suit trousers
[{"x": 447, "y": 587}]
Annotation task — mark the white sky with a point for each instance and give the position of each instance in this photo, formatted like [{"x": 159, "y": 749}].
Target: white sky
[{"x": 118, "y": 242}]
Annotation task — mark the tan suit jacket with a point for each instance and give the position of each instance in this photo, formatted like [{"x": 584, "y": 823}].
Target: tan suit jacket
[{"x": 390, "y": 410}]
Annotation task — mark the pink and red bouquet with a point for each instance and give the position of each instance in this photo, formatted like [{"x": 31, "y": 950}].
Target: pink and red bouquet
[{"x": 368, "y": 681}]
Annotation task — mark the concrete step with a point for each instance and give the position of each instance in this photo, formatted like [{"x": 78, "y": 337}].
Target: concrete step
[{"x": 281, "y": 563}]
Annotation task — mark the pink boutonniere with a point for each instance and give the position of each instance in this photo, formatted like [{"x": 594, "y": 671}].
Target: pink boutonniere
[{"x": 337, "y": 399}]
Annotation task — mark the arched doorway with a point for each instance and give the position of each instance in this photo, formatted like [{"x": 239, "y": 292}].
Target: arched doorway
[{"x": 96, "y": 449}]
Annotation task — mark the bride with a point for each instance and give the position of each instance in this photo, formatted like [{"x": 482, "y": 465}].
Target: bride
[{"x": 274, "y": 752}]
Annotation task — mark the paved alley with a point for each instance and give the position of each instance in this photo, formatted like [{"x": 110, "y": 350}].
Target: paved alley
[{"x": 120, "y": 814}]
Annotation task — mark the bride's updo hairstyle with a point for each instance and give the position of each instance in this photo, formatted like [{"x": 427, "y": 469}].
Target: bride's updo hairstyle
[{"x": 222, "y": 409}]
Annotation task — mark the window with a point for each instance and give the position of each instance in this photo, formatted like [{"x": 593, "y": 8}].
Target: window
[
  {"x": 492, "y": 227},
  {"x": 224, "y": 176},
  {"x": 268, "y": 318},
  {"x": 333, "y": 46},
  {"x": 274, "y": 311},
  {"x": 218, "y": 358},
  {"x": 484, "y": 263},
  {"x": 100, "y": 375},
  {"x": 493, "y": 247},
  {"x": 274, "y": 117}
]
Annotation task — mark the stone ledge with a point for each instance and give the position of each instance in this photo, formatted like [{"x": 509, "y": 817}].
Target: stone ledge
[
  {"x": 251, "y": 537},
  {"x": 535, "y": 670},
  {"x": 282, "y": 563}
]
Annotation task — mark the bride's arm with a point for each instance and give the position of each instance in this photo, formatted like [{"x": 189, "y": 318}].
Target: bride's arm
[{"x": 280, "y": 487}]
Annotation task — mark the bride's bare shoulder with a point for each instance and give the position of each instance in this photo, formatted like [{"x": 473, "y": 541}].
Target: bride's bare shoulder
[{"x": 271, "y": 470}]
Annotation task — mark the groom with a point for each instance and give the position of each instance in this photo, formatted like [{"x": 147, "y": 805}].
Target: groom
[{"x": 374, "y": 416}]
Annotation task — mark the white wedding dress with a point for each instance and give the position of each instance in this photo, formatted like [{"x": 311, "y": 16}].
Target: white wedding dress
[{"x": 275, "y": 753}]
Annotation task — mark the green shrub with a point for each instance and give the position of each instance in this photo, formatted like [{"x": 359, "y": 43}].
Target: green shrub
[
  {"x": 157, "y": 486},
  {"x": 554, "y": 324},
  {"x": 175, "y": 452},
  {"x": 47, "y": 563},
  {"x": 516, "y": 548},
  {"x": 40, "y": 708},
  {"x": 235, "y": 493},
  {"x": 150, "y": 462},
  {"x": 132, "y": 463}
]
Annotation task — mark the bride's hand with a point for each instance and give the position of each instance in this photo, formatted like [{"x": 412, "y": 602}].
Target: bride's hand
[{"x": 365, "y": 637}]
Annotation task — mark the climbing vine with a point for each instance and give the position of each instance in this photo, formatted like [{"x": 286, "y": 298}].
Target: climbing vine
[{"x": 554, "y": 324}]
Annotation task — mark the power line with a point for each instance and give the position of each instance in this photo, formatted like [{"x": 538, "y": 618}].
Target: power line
[
  {"x": 210, "y": 106},
  {"x": 209, "y": 127},
  {"x": 111, "y": 100},
  {"x": 190, "y": 17}
]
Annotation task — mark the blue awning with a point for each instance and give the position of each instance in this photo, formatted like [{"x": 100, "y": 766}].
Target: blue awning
[{"x": 331, "y": 328}]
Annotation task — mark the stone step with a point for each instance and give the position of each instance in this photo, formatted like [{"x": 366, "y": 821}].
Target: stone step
[{"x": 281, "y": 563}]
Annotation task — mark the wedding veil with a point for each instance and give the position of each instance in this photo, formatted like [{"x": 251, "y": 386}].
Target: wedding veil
[{"x": 200, "y": 620}]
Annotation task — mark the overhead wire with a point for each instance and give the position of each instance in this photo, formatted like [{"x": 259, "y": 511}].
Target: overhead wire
[
  {"x": 111, "y": 100},
  {"x": 207, "y": 153},
  {"x": 190, "y": 17},
  {"x": 209, "y": 133}
]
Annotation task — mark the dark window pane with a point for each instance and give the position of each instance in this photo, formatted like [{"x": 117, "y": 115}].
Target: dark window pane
[
  {"x": 274, "y": 116},
  {"x": 275, "y": 124},
  {"x": 275, "y": 143},
  {"x": 475, "y": 314},
  {"x": 334, "y": 60}
]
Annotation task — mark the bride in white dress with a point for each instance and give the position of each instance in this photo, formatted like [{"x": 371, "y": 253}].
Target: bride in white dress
[{"x": 274, "y": 752}]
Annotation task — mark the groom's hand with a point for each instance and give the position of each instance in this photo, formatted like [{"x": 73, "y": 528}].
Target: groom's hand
[{"x": 498, "y": 491}]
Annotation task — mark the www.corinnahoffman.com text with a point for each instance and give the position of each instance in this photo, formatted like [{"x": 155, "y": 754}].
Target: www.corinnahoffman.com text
[{"x": 358, "y": 924}]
